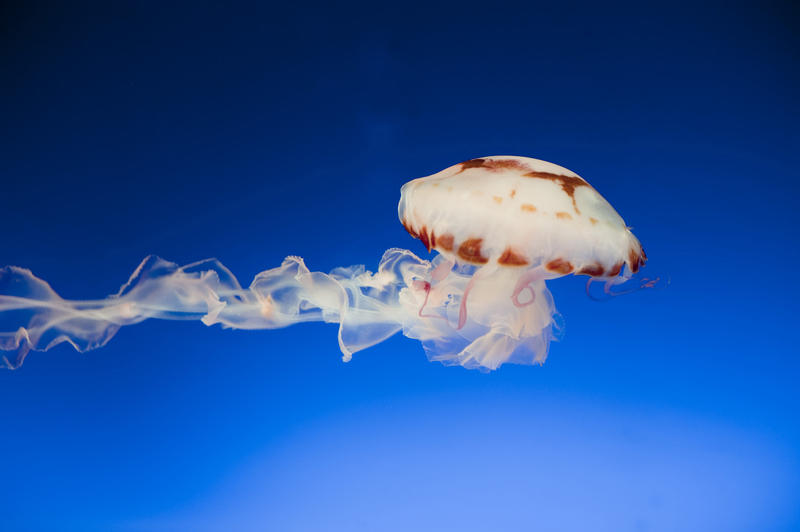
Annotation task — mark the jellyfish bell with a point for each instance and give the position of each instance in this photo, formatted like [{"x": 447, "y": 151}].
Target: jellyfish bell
[
  {"x": 518, "y": 212},
  {"x": 502, "y": 227},
  {"x": 520, "y": 221}
]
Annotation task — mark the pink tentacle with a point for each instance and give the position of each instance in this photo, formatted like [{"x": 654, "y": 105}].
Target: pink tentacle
[
  {"x": 644, "y": 282},
  {"x": 462, "y": 310},
  {"x": 515, "y": 297},
  {"x": 442, "y": 270},
  {"x": 424, "y": 285},
  {"x": 524, "y": 282}
]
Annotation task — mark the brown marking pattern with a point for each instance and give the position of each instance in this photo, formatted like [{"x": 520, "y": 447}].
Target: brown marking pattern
[
  {"x": 494, "y": 165},
  {"x": 568, "y": 184},
  {"x": 593, "y": 220},
  {"x": 636, "y": 259},
  {"x": 470, "y": 251},
  {"x": 563, "y": 215},
  {"x": 472, "y": 163},
  {"x": 527, "y": 207},
  {"x": 559, "y": 266},
  {"x": 513, "y": 193},
  {"x": 409, "y": 229},
  {"x": 633, "y": 260},
  {"x": 497, "y": 199},
  {"x": 445, "y": 242},
  {"x": 423, "y": 236},
  {"x": 431, "y": 240},
  {"x": 512, "y": 258},
  {"x": 595, "y": 270},
  {"x": 614, "y": 271}
]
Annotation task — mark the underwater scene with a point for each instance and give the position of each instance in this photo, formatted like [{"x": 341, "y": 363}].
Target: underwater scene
[{"x": 440, "y": 266}]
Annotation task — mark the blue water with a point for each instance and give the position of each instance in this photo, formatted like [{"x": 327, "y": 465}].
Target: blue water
[{"x": 251, "y": 133}]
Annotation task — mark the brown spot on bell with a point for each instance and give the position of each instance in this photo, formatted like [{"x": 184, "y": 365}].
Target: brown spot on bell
[
  {"x": 512, "y": 258},
  {"x": 614, "y": 271},
  {"x": 423, "y": 236},
  {"x": 633, "y": 260},
  {"x": 495, "y": 165},
  {"x": 559, "y": 266},
  {"x": 472, "y": 163},
  {"x": 470, "y": 251},
  {"x": 445, "y": 241},
  {"x": 595, "y": 270},
  {"x": 568, "y": 183}
]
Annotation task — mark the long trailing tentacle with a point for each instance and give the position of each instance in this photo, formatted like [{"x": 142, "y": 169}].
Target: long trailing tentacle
[{"x": 405, "y": 294}]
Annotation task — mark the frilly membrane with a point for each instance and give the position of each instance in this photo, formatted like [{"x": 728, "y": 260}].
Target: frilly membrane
[{"x": 403, "y": 295}]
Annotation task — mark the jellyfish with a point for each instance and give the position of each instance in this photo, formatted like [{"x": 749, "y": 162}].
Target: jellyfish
[{"x": 500, "y": 228}]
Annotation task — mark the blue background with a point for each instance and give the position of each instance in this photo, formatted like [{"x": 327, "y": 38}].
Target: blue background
[{"x": 251, "y": 132}]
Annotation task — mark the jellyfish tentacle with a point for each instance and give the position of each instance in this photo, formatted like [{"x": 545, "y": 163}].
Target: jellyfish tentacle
[
  {"x": 480, "y": 273},
  {"x": 644, "y": 283},
  {"x": 531, "y": 276},
  {"x": 515, "y": 298},
  {"x": 442, "y": 270},
  {"x": 589, "y": 290},
  {"x": 426, "y": 286},
  {"x": 462, "y": 309}
]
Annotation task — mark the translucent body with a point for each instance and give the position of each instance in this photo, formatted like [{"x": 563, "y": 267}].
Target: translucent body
[
  {"x": 369, "y": 307},
  {"x": 502, "y": 225}
]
